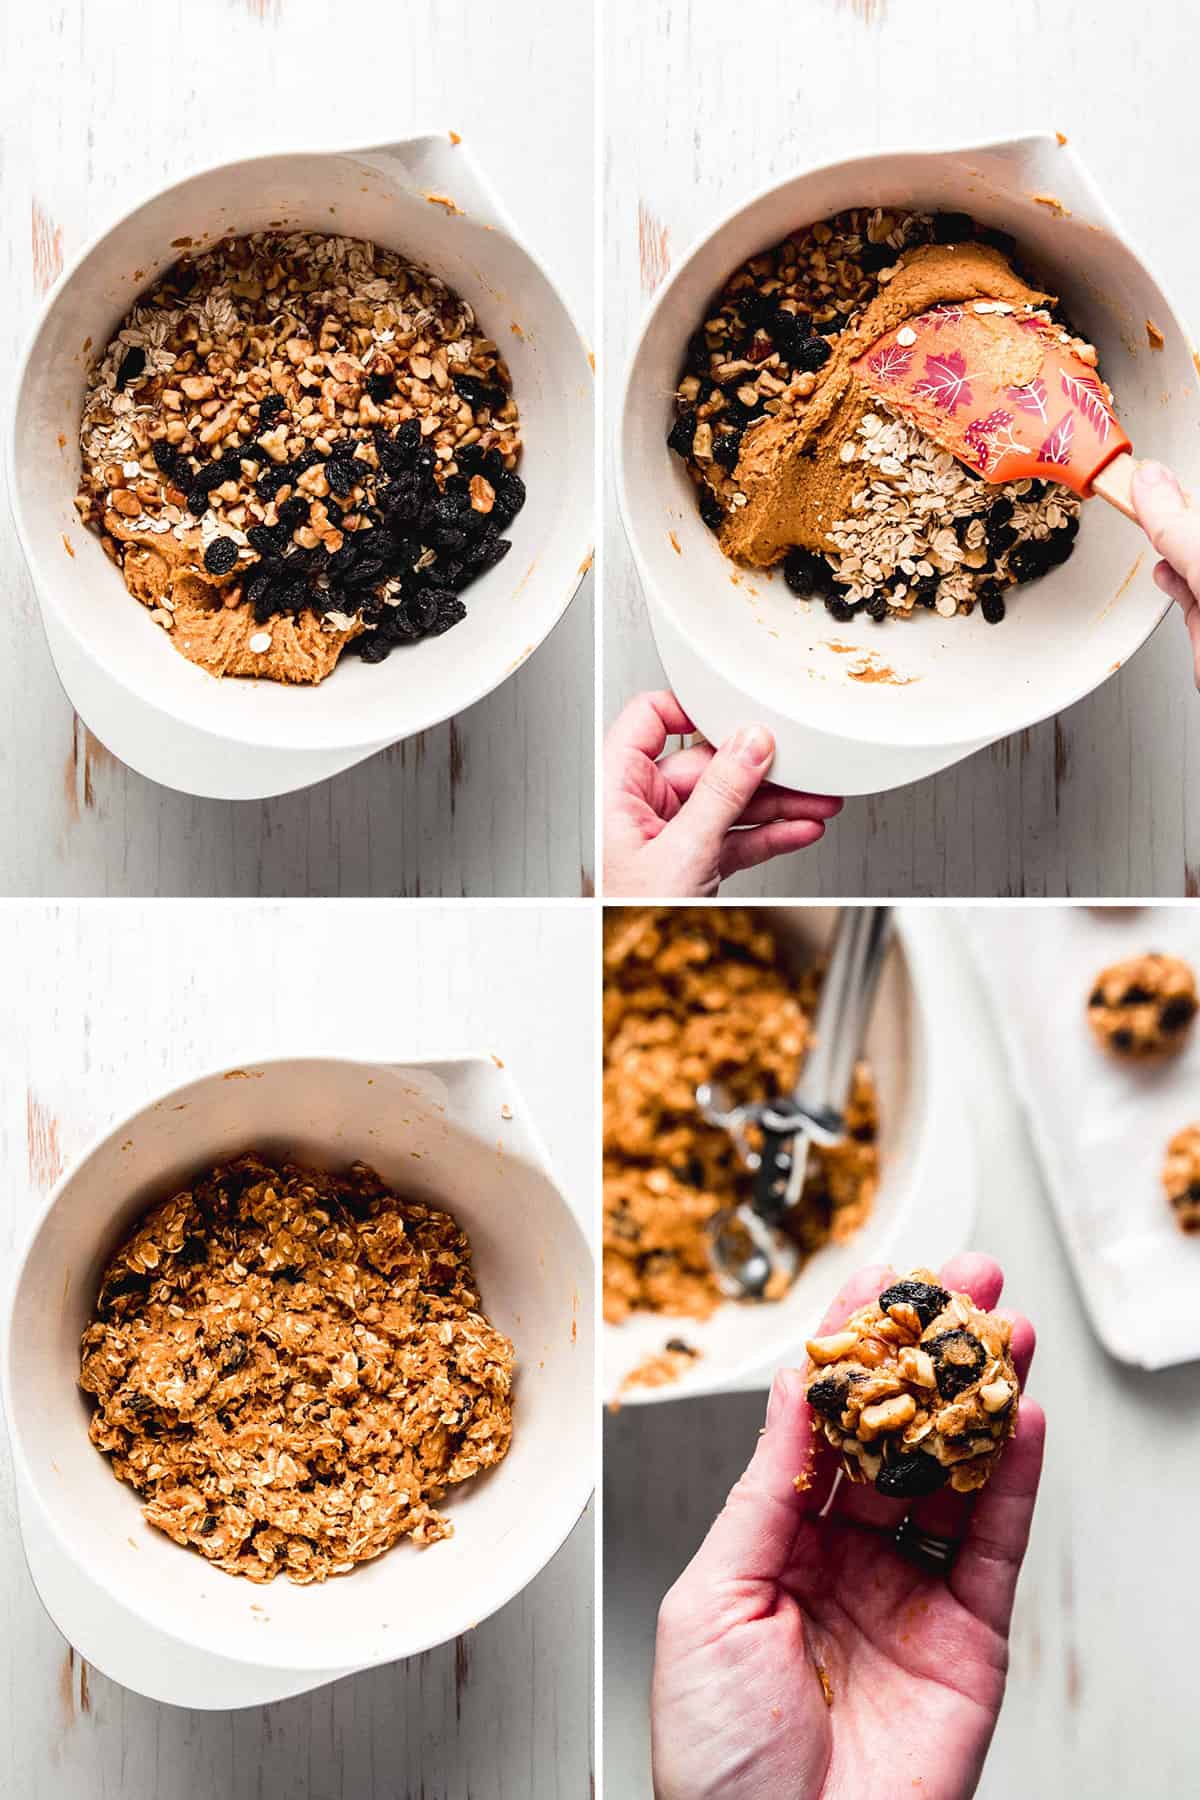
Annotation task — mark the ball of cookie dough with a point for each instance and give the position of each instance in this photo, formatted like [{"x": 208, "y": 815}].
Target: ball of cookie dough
[
  {"x": 1143, "y": 1007},
  {"x": 917, "y": 1391},
  {"x": 1181, "y": 1177}
]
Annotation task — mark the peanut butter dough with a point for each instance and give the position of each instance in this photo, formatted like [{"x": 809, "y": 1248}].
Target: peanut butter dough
[
  {"x": 291, "y": 1368},
  {"x": 916, "y": 1390},
  {"x": 697, "y": 994},
  {"x": 790, "y": 470}
]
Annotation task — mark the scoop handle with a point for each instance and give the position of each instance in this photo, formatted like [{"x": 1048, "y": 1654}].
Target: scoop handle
[{"x": 1114, "y": 483}]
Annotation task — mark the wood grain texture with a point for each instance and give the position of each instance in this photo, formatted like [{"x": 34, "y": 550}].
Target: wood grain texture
[
  {"x": 103, "y": 1006},
  {"x": 705, "y": 105},
  {"x": 104, "y": 103},
  {"x": 1111, "y": 1571}
]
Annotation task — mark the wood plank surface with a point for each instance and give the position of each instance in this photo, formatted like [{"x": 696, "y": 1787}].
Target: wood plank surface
[
  {"x": 103, "y": 103},
  {"x": 704, "y": 105},
  {"x": 106, "y": 1005}
]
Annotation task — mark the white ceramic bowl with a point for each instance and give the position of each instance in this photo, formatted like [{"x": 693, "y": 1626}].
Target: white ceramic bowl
[
  {"x": 243, "y": 739},
  {"x": 753, "y": 651},
  {"x": 925, "y": 1204},
  {"x": 439, "y": 1132}
]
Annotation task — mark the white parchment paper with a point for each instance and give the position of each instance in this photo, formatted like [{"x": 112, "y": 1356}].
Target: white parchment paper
[{"x": 1101, "y": 1126}]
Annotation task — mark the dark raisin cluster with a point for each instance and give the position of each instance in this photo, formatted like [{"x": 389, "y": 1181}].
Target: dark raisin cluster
[{"x": 411, "y": 513}]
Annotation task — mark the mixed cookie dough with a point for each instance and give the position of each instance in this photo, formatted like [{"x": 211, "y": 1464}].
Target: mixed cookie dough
[
  {"x": 917, "y": 1390},
  {"x": 296, "y": 443},
  {"x": 1143, "y": 1007},
  {"x": 291, "y": 1368},
  {"x": 692, "y": 995},
  {"x": 796, "y": 462},
  {"x": 1181, "y": 1177}
]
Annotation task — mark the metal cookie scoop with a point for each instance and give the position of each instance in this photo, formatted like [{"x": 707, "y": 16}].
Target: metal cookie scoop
[{"x": 751, "y": 1251}]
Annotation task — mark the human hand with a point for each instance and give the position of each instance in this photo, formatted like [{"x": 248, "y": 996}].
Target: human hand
[
  {"x": 677, "y": 826},
  {"x": 1174, "y": 529},
  {"x": 800, "y": 1657}
]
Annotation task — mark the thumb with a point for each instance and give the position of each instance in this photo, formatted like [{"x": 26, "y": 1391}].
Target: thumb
[
  {"x": 724, "y": 791},
  {"x": 1166, "y": 517}
]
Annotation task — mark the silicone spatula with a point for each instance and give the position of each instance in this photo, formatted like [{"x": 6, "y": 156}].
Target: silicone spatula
[{"x": 1006, "y": 393}]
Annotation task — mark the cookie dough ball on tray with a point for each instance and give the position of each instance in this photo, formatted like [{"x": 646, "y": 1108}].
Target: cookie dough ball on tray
[
  {"x": 1181, "y": 1177},
  {"x": 917, "y": 1390},
  {"x": 1143, "y": 1007}
]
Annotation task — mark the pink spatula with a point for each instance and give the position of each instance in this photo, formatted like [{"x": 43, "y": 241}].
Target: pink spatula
[{"x": 1006, "y": 394}]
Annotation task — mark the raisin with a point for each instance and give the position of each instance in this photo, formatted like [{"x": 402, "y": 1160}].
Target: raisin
[
  {"x": 231, "y": 1355},
  {"x": 697, "y": 359},
  {"x": 133, "y": 364},
  {"x": 838, "y": 609},
  {"x": 372, "y": 648},
  {"x": 479, "y": 396},
  {"x": 1096, "y": 997},
  {"x": 220, "y": 556},
  {"x": 293, "y": 512},
  {"x": 908, "y": 1477},
  {"x": 991, "y": 602},
  {"x": 875, "y": 257},
  {"x": 952, "y": 228},
  {"x": 683, "y": 432},
  {"x": 269, "y": 410},
  {"x": 197, "y": 502},
  {"x": 273, "y": 477},
  {"x": 381, "y": 386},
  {"x": 1028, "y": 562},
  {"x": 812, "y": 354},
  {"x": 877, "y": 608},
  {"x": 167, "y": 457},
  {"x": 679, "y": 1348},
  {"x": 926, "y": 1299},
  {"x": 1136, "y": 995},
  {"x": 727, "y": 446},
  {"x": 341, "y": 474},
  {"x": 958, "y": 1360},
  {"x": 711, "y": 510},
  {"x": 1177, "y": 1013},
  {"x": 805, "y": 572},
  {"x": 926, "y": 592},
  {"x": 829, "y": 1395},
  {"x": 1122, "y": 1040}
]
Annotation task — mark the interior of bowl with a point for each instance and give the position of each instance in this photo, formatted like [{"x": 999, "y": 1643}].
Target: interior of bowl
[
  {"x": 938, "y": 681},
  {"x": 509, "y": 611},
  {"x": 439, "y": 1133},
  {"x": 744, "y": 1336}
]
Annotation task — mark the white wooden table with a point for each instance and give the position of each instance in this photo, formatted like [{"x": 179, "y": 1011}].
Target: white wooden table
[
  {"x": 104, "y": 1005},
  {"x": 105, "y": 102},
  {"x": 1101, "y": 1694},
  {"x": 707, "y": 104}
]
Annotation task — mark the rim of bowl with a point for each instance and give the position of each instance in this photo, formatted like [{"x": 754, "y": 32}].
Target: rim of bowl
[
  {"x": 255, "y": 734},
  {"x": 874, "y": 732},
  {"x": 516, "y": 1570}
]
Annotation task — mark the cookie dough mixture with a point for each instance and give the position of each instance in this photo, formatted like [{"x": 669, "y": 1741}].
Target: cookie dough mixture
[
  {"x": 1181, "y": 1177},
  {"x": 1144, "y": 1007},
  {"x": 294, "y": 443},
  {"x": 292, "y": 1367},
  {"x": 795, "y": 461},
  {"x": 916, "y": 1390},
  {"x": 691, "y": 995}
]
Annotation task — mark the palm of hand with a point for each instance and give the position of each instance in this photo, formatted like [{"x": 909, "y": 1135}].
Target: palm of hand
[{"x": 857, "y": 1678}]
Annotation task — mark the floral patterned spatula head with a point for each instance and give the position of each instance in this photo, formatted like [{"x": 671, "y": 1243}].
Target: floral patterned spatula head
[{"x": 1008, "y": 394}]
